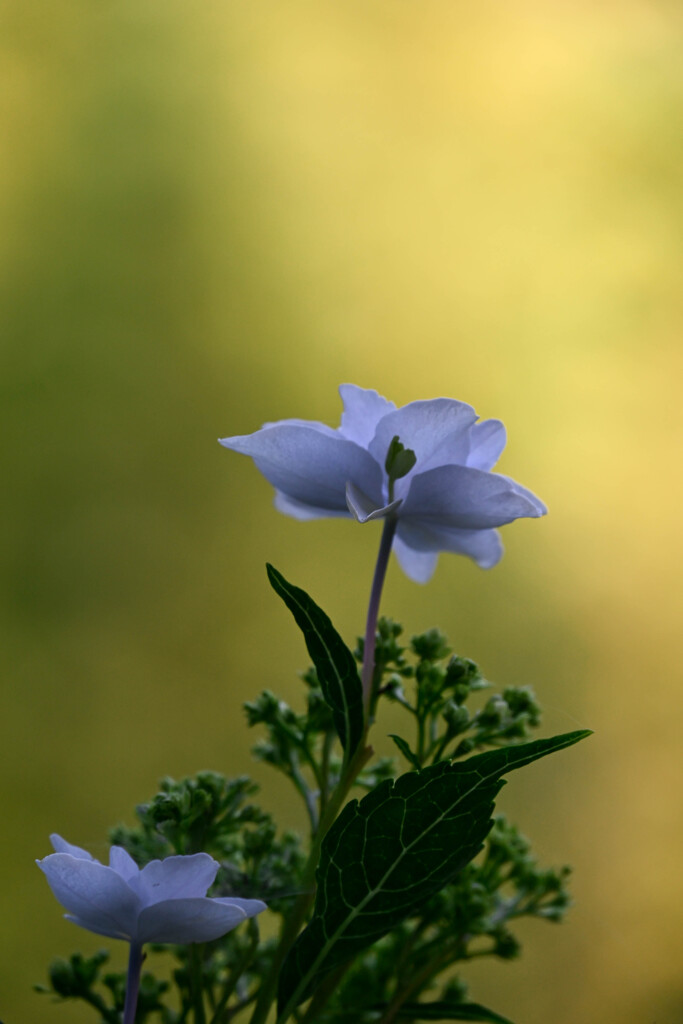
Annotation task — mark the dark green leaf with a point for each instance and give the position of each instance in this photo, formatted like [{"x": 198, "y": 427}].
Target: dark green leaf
[
  {"x": 385, "y": 856},
  {"x": 450, "y": 1011},
  {"x": 334, "y": 662},
  {"x": 405, "y": 750}
]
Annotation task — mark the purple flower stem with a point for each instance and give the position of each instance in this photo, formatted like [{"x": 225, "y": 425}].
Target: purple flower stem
[
  {"x": 133, "y": 982},
  {"x": 373, "y": 609}
]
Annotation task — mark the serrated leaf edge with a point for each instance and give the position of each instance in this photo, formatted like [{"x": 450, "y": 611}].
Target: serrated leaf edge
[{"x": 550, "y": 746}]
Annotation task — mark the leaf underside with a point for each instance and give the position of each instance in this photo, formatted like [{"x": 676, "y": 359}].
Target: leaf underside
[
  {"x": 387, "y": 854},
  {"x": 334, "y": 662}
]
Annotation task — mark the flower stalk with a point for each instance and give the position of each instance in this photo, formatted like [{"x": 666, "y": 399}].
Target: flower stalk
[
  {"x": 368, "y": 668},
  {"x": 135, "y": 959}
]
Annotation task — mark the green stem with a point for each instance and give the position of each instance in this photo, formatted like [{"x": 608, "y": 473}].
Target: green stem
[
  {"x": 295, "y": 921},
  {"x": 415, "y": 985},
  {"x": 306, "y": 794},
  {"x": 325, "y": 771},
  {"x": 237, "y": 972},
  {"x": 323, "y": 993},
  {"x": 110, "y": 1016},
  {"x": 293, "y": 924},
  {"x": 196, "y": 984}
]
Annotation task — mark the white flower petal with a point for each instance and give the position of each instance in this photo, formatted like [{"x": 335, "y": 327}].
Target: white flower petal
[
  {"x": 454, "y": 449},
  {"x": 250, "y": 907},
  {"x": 309, "y": 466},
  {"x": 363, "y": 409},
  {"x": 94, "y": 894},
  {"x": 422, "y": 427},
  {"x": 322, "y": 428},
  {"x": 188, "y": 920},
  {"x": 418, "y": 565},
  {"x": 541, "y": 508},
  {"x": 176, "y": 877},
  {"x": 483, "y": 546},
  {"x": 487, "y": 440},
  {"x": 60, "y": 845},
  {"x": 463, "y": 498},
  {"x": 122, "y": 863},
  {"x": 363, "y": 509},
  {"x": 297, "y": 510}
]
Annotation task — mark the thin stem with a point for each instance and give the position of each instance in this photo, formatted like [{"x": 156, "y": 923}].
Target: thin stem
[
  {"x": 220, "y": 1012},
  {"x": 415, "y": 983},
  {"x": 324, "y": 992},
  {"x": 373, "y": 609},
  {"x": 135, "y": 959},
  {"x": 325, "y": 771},
  {"x": 196, "y": 984},
  {"x": 110, "y": 1016},
  {"x": 306, "y": 794},
  {"x": 293, "y": 924}
]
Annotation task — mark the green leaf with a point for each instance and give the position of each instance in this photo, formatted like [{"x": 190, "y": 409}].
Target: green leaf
[
  {"x": 334, "y": 662},
  {"x": 405, "y": 750},
  {"x": 385, "y": 856},
  {"x": 450, "y": 1011}
]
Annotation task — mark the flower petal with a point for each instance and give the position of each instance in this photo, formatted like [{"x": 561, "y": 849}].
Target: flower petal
[
  {"x": 322, "y": 428},
  {"x": 423, "y": 427},
  {"x": 97, "y": 926},
  {"x": 464, "y": 498},
  {"x": 60, "y": 845},
  {"x": 484, "y": 546},
  {"x": 176, "y": 877},
  {"x": 93, "y": 894},
  {"x": 363, "y": 509},
  {"x": 122, "y": 863},
  {"x": 250, "y": 907},
  {"x": 487, "y": 440},
  {"x": 541, "y": 508},
  {"x": 297, "y": 510},
  {"x": 363, "y": 409},
  {"x": 418, "y": 565},
  {"x": 188, "y": 920},
  {"x": 310, "y": 466}
]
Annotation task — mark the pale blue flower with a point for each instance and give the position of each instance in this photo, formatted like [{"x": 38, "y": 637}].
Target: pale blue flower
[
  {"x": 448, "y": 501},
  {"x": 165, "y": 901}
]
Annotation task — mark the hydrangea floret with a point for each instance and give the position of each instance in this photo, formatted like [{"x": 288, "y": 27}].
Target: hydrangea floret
[
  {"x": 425, "y": 468},
  {"x": 165, "y": 901}
]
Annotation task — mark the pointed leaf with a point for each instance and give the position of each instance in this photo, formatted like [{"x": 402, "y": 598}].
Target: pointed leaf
[
  {"x": 385, "y": 856},
  {"x": 334, "y": 662}
]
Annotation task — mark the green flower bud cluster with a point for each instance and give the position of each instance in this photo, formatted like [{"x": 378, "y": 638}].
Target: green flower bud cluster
[{"x": 443, "y": 684}]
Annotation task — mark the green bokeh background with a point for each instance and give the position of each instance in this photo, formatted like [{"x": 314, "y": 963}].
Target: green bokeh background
[{"x": 212, "y": 214}]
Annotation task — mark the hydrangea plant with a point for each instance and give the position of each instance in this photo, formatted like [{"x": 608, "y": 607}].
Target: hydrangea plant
[{"x": 407, "y": 871}]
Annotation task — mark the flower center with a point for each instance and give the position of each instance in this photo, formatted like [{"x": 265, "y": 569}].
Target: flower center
[{"x": 399, "y": 461}]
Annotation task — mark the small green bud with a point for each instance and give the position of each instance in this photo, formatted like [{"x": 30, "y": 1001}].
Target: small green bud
[
  {"x": 507, "y": 946},
  {"x": 399, "y": 460},
  {"x": 430, "y": 646},
  {"x": 457, "y": 718},
  {"x": 62, "y": 978}
]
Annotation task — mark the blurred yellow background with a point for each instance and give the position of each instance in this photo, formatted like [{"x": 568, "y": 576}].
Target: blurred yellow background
[{"x": 213, "y": 214}]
